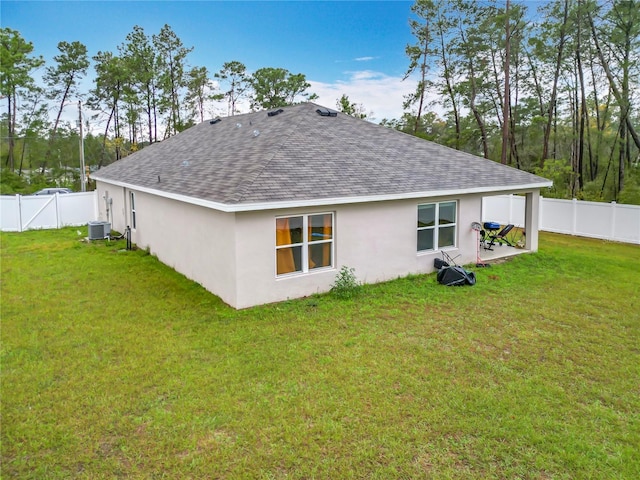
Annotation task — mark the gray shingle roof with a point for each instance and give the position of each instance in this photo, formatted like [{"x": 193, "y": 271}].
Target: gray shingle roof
[{"x": 300, "y": 155}]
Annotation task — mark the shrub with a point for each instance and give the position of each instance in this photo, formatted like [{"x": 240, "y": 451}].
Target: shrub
[
  {"x": 559, "y": 171},
  {"x": 346, "y": 284},
  {"x": 11, "y": 182}
]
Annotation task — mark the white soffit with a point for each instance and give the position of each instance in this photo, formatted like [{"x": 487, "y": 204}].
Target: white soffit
[{"x": 250, "y": 207}]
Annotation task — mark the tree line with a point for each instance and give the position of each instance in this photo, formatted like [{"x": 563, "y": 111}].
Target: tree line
[
  {"x": 557, "y": 95},
  {"x": 144, "y": 92}
]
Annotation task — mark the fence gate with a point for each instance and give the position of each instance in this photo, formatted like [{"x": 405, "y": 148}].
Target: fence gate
[{"x": 19, "y": 213}]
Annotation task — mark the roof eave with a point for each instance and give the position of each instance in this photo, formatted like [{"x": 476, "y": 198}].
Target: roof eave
[{"x": 321, "y": 202}]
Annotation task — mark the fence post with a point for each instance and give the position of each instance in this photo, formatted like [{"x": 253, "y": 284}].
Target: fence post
[
  {"x": 19, "y": 203},
  {"x": 510, "y": 213},
  {"x": 613, "y": 220},
  {"x": 57, "y": 209},
  {"x": 574, "y": 214}
]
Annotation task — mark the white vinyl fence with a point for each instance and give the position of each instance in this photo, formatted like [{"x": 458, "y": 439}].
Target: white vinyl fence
[
  {"x": 609, "y": 221},
  {"x": 26, "y": 212}
]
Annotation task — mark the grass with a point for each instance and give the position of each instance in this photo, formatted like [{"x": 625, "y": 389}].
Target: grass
[{"x": 115, "y": 366}]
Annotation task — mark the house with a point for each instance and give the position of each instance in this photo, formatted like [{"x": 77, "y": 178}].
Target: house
[{"x": 268, "y": 206}]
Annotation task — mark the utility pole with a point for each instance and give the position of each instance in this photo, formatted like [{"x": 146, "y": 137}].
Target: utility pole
[{"x": 83, "y": 177}]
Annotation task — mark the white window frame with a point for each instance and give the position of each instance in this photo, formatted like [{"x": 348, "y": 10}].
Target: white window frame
[
  {"x": 132, "y": 209},
  {"x": 436, "y": 227},
  {"x": 305, "y": 245}
]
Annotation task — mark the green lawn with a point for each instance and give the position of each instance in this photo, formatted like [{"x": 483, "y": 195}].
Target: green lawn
[{"x": 115, "y": 366}]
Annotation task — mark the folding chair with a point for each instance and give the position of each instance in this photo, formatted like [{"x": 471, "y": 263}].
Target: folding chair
[{"x": 499, "y": 238}]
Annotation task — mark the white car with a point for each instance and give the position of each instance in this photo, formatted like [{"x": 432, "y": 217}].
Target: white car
[{"x": 53, "y": 191}]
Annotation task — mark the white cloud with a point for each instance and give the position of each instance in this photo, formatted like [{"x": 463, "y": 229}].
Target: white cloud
[
  {"x": 378, "y": 93},
  {"x": 364, "y": 59}
]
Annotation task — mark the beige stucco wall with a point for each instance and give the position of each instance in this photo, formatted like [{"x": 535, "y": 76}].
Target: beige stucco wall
[
  {"x": 117, "y": 209},
  {"x": 233, "y": 255},
  {"x": 377, "y": 239},
  {"x": 196, "y": 241}
]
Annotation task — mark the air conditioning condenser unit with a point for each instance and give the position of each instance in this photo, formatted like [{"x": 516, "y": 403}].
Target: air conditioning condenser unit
[{"x": 99, "y": 230}]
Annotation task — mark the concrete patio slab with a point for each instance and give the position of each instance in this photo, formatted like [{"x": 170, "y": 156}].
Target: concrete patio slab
[{"x": 500, "y": 251}]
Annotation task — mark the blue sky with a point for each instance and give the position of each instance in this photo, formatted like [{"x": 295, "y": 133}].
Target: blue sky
[{"x": 352, "y": 47}]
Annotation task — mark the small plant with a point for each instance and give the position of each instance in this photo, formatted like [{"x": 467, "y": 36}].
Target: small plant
[
  {"x": 517, "y": 237},
  {"x": 346, "y": 284}
]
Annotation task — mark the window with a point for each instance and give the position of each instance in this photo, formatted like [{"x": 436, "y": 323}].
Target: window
[
  {"x": 436, "y": 225},
  {"x": 132, "y": 206},
  {"x": 304, "y": 243}
]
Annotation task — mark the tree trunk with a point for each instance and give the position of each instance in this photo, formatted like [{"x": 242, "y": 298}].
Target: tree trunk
[
  {"x": 582, "y": 110},
  {"x": 575, "y": 141},
  {"x": 149, "y": 119},
  {"x": 472, "y": 98},
  {"x": 11, "y": 116},
  {"x": 423, "y": 72},
  {"x": 22, "y": 154},
  {"x": 623, "y": 102},
  {"x": 536, "y": 83},
  {"x": 622, "y": 156},
  {"x": 155, "y": 113},
  {"x": 554, "y": 89},
  {"x": 52, "y": 137},
  {"x": 450, "y": 92},
  {"x": 104, "y": 139},
  {"x": 507, "y": 94},
  {"x": 594, "y": 153}
]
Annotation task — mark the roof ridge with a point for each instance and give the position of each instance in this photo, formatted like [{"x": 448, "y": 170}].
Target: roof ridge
[{"x": 244, "y": 189}]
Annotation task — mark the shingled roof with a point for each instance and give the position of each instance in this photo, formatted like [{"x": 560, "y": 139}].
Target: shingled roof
[{"x": 297, "y": 156}]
